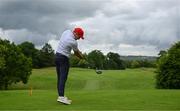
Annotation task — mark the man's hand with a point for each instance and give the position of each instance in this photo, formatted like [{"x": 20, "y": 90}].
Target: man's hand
[{"x": 79, "y": 54}]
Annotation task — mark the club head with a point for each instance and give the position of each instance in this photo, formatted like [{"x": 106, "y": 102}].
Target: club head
[{"x": 98, "y": 72}]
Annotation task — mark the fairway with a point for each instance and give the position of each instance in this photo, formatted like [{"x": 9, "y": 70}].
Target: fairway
[{"x": 131, "y": 89}]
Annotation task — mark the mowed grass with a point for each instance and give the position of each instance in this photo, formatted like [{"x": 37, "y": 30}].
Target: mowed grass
[{"x": 131, "y": 89}]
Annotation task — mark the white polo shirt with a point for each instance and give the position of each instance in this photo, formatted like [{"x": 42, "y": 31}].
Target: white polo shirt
[{"x": 67, "y": 43}]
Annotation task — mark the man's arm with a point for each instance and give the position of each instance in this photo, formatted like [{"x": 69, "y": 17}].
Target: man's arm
[{"x": 78, "y": 54}]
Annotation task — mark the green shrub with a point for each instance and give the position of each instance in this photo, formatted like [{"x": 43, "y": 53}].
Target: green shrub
[
  {"x": 168, "y": 69},
  {"x": 14, "y": 66}
]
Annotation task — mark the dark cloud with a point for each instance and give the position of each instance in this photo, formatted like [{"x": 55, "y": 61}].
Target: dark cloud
[{"x": 43, "y": 16}]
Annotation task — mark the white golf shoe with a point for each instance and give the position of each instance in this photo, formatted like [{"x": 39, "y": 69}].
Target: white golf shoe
[{"x": 64, "y": 100}]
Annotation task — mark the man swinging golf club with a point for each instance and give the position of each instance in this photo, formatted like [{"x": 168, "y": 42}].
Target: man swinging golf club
[{"x": 67, "y": 42}]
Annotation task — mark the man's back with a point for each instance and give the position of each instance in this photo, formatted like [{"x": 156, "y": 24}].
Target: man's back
[{"x": 67, "y": 43}]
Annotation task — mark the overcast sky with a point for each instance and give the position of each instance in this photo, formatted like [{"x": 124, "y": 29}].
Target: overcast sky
[{"x": 127, "y": 27}]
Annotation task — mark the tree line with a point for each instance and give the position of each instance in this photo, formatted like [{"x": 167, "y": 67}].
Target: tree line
[
  {"x": 17, "y": 61},
  {"x": 44, "y": 57},
  {"x": 95, "y": 59}
]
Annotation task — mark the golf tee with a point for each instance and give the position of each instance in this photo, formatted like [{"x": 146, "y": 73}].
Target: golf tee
[{"x": 30, "y": 91}]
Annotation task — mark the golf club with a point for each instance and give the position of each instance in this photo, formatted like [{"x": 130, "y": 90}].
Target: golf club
[{"x": 98, "y": 71}]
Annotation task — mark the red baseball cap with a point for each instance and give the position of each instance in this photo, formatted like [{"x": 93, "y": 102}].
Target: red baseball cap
[{"x": 79, "y": 32}]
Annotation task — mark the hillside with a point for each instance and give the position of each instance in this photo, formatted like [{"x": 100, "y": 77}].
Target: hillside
[{"x": 130, "y": 57}]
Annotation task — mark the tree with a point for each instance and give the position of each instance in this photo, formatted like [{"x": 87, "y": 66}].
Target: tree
[
  {"x": 161, "y": 53},
  {"x": 110, "y": 64},
  {"x": 135, "y": 64},
  {"x": 168, "y": 69},
  {"x": 96, "y": 59},
  {"x": 147, "y": 63},
  {"x": 114, "y": 61},
  {"x": 29, "y": 50},
  {"x": 14, "y": 66},
  {"x": 45, "y": 57}
]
